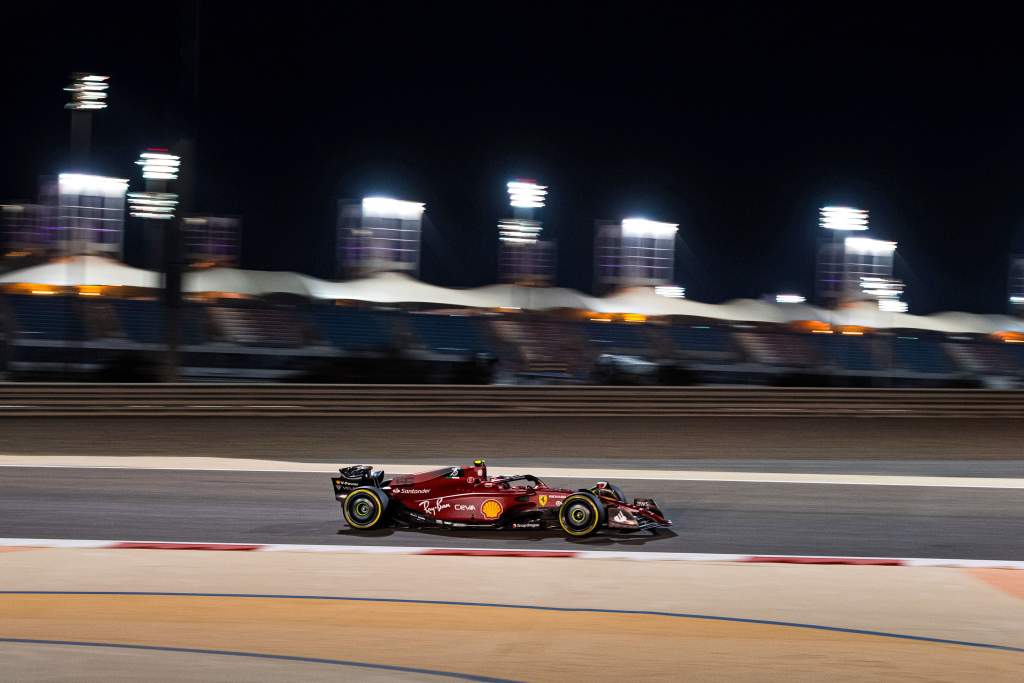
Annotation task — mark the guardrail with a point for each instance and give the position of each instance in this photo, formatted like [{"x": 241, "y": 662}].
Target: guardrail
[{"x": 326, "y": 400}]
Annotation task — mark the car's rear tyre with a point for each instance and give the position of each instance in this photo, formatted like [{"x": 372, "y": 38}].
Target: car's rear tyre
[
  {"x": 364, "y": 508},
  {"x": 580, "y": 514}
]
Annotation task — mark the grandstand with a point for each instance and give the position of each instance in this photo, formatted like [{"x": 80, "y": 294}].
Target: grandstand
[{"x": 270, "y": 325}]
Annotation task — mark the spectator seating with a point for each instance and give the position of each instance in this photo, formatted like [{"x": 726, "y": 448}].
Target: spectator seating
[
  {"x": 920, "y": 354},
  {"x": 455, "y": 334},
  {"x": 141, "y": 319},
  {"x": 849, "y": 352},
  {"x": 613, "y": 337},
  {"x": 47, "y": 317},
  {"x": 354, "y": 329}
]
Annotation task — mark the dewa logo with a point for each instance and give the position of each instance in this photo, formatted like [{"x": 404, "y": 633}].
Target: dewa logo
[{"x": 491, "y": 509}]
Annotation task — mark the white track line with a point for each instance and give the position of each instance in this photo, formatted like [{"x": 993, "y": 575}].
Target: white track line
[{"x": 253, "y": 465}]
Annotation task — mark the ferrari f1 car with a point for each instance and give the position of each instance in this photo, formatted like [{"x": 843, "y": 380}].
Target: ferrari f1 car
[{"x": 466, "y": 497}]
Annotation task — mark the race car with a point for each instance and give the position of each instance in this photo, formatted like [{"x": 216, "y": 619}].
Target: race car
[{"x": 466, "y": 497}]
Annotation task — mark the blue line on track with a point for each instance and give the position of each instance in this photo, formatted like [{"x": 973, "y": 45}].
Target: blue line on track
[
  {"x": 260, "y": 655},
  {"x": 545, "y": 608}
]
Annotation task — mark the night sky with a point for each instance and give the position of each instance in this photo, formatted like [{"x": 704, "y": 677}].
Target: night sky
[{"x": 736, "y": 123}]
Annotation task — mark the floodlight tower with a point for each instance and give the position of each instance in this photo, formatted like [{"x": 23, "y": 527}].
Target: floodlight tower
[
  {"x": 837, "y": 222},
  {"x": 155, "y": 206},
  {"x": 88, "y": 95},
  {"x": 523, "y": 257}
]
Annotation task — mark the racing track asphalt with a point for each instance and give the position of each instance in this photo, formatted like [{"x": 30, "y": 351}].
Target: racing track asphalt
[{"x": 712, "y": 517}]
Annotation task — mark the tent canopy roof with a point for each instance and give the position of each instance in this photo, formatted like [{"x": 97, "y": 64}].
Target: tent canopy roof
[{"x": 394, "y": 288}]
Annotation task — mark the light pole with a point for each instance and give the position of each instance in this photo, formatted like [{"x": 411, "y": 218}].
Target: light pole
[
  {"x": 159, "y": 168},
  {"x": 523, "y": 257},
  {"x": 88, "y": 94}
]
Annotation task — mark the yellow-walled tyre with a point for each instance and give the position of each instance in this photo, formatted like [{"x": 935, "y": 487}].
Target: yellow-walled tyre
[
  {"x": 364, "y": 508},
  {"x": 580, "y": 514}
]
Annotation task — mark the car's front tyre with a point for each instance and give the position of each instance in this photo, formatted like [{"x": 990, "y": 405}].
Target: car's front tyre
[
  {"x": 580, "y": 514},
  {"x": 364, "y": 508}
]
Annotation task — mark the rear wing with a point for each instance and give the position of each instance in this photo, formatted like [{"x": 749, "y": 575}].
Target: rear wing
[{"x": 351, "y": 478}]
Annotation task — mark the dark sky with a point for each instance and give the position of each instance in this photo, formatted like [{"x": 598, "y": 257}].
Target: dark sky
[{"x": 736, "y": 122}]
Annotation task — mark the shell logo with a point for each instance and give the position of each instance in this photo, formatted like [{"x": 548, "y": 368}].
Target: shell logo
[{"x": 491, "y": 509}]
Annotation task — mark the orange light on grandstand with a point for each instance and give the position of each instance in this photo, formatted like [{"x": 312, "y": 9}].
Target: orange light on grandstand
[
  {"x": 601, "y": 320},
  {"x": 811, "y": 326},
  {"x": 90, "y": 290},
  {"x": 634, "y": 318},
  {"x": 43, "y": 291},
  {"x": 1009, "y": 337},
  {"x": 821, "y": 331},
  {"x": 852, "y": 333}
]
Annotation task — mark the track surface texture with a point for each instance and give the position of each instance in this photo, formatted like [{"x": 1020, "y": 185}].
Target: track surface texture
[
  {"x": 431, "y": 439},
  {"x": 713, "y": 517}
]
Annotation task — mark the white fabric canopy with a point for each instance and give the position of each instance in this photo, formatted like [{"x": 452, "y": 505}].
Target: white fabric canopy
[
  {"x": 395, "y": 288},
  {"x": 84, "y": 270},
  {"x": 250, "y": 282}
]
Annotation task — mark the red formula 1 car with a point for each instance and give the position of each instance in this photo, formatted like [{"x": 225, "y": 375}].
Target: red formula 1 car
[{"x": 465, "y": 497}]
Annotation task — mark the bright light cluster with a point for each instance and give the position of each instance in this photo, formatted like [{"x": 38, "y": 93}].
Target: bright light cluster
[
  {"x": 526, "y": 194},
  {"x": 670, "y": 291},
  {"x": 88, "y": 92},
  {"x": 843, "y": 218},
  {"x": 156, "y": 205},
  {"x": 385, "y": 207},
  {"x": 789, "y": 299},
  {"x": 1017, "y": 299},
  {"x": 158, "y": 164},
  {"x": 866, "y": 245},
  {"x": 892, "y": 305},
  {"x": 77, "y": 183},
  {"x": 517, "y": 231},
  {"x": 883, "y": 288},
  {"x": 641, "y": 227}
]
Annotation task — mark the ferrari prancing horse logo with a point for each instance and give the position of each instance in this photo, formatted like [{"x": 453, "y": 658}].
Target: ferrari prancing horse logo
[{"x": 542, "y": 500}]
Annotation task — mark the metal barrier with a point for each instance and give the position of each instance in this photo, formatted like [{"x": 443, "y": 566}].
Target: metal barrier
[{"x": 326, "y": 400}]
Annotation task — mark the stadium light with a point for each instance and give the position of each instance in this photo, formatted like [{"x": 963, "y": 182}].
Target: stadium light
[
  {"x": 159, "y": 164},
  {"x": 641, "y": 227},
  {"x": 1017, "y": 299},
  {"x": 385, "y": 207},
  {"x": 881, "y": 287},
  {"x": 843, "y": 218},
  {"x": 77, "y": 183},
  {"x": 88, "y": 92},
  {"x": 789, "y": 299},
  {"x": 670, "y": 291},
  {"x": 156, "y": 205},
  {"x": 866, "y": 245},
  {"x": 526, "y": 194},
  {"x": 518, "y": 230},
  {"x": 892, "y": 305}
]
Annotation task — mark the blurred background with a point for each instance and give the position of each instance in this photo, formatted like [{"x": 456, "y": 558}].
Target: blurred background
[{"x": 225, "y": 197}]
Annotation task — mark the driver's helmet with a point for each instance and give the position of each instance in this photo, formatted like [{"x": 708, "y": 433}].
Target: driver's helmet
[{"x": 480, "y": 466}]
